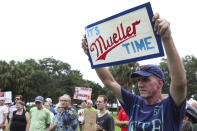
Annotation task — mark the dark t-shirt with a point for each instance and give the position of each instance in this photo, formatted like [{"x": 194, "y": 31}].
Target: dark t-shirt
[
  {"x": 163, "y": 116},
  {"x": 106, "y": 121},
  {"x": 18, "y": 122}
]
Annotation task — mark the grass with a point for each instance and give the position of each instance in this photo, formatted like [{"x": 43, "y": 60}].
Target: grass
[{"x": 116, "y": 127}]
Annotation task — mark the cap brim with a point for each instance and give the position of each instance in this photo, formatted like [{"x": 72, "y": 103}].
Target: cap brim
[
  {"x": 141, "y": 73},
  {"x": 38, "y": 101}
]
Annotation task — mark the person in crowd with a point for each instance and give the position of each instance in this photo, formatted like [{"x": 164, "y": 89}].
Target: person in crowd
[
  {"x": 149, "y": 111},
  {"x": 47, "y": 106},
  {"x": 39, "y": 116},
  {"x": 20, "y": 119},
  {"x": 81, "y": 114},
  {"x": 68, "y": 118},
  {"x": 13, "y": 107},
  {"x": 194, "y": 104},
  {"x": 8, "y": 103},
  {"x": 191, "y": 116},
  {"x": 105, "y": 122},
  {"x": 89, "y": 106},
  {"x": 187, "y": 126},
  {"x": 58, "y": 110},
  {"x": 122, "y": 120},
  {"x": 3, "y": 114},
  {"x": 49, "y": 100}
]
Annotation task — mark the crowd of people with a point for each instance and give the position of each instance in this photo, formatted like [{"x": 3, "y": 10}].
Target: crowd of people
[{"x": 43, "y": 117}]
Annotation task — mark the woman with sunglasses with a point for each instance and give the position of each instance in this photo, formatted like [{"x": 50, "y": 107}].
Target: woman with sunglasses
[{"x": 58, "y": 109}]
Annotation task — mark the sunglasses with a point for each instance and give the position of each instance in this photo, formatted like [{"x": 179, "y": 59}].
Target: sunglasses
[{"x": 17, "y": 98}]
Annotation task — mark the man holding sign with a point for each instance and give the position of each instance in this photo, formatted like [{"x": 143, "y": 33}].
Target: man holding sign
[{"x": 149, "y": 111}]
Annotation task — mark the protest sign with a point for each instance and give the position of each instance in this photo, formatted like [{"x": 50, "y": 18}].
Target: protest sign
[
  {"x": 7, "y": 95},
  {"x": 82, "y": 93},
  {"x": 89, "y": 121},
  {"x": 122, "y": 38}
]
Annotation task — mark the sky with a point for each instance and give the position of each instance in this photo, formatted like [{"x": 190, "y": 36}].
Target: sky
[{"x": 39, "y": 29}]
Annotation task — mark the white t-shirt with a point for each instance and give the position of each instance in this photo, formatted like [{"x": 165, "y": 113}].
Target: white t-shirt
[
  {"x": 12, "y": 109},
  {"x": 51, "y": 115},
  {"x": 80, "y": 115},
  {"x": 3, "y": 110}
]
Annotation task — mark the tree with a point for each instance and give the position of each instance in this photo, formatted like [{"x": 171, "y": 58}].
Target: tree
[
  {"x": 5, "y": 75},
  {"x": 164, "y": 67},
  {"x": 47, "y": 77},
  {"x": 190, "y": 63},
  {"x": 122, "y": 74}
]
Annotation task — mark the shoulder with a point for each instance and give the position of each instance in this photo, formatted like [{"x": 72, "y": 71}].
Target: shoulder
[
  {"x": 80, "y": 110},
  {"x": 4, "y": 109},
  {"x": 93, "y": 109},
  {"x": 108, "y": 116},
  {"x": 47, "y": 111},
  {"x": 33, "y": 108},
  {"x": 71, "y": 109}
]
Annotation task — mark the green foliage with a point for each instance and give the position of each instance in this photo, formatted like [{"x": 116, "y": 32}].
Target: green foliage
[
  {"x": 122, "y": 75},
  {"x": 52, "y": 78},
  {"x": 47, "y": 77},
  {"x": 190, "y": 63},
  {"x": 164, "y": 66}
]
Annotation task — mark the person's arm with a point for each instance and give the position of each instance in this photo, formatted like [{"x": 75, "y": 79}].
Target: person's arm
[
  {"x": 4, "y": 120},
  {"x": 27, "y": 120},
  {"x": 10, "y": 122},
  {"x": 105, "y": 76},
  {"x": 121, "y": 123},
  {"x": 48, "y": 119},
  {"x": 53, "y": 124},
  {"x": 99, "y": 128},
  {"x": 52, "y": 127},
  {"x": 178, "y": 85}
]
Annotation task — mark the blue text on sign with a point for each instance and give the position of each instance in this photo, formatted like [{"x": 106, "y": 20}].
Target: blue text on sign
[{"x": 137, "y": 46}]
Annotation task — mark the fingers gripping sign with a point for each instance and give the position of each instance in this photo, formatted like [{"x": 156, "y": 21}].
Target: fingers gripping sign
[
  {"x": 162, "y": 27},
  {"x": 84, "y": 44}
]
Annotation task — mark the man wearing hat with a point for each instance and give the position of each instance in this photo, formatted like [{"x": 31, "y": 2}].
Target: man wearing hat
[
  {"x": 149, "y": 111},
  {"x": 39, "y": 116}
]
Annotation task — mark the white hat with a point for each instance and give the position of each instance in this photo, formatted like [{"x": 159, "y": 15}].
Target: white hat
[{"x": 49, "y": 100}]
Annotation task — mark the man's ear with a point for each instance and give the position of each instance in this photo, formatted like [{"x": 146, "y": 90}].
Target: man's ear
[{"x": 161, "y": 83}]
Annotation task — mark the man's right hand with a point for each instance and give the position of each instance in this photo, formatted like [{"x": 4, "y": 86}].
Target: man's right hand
[{"x": 84, "y": 44}]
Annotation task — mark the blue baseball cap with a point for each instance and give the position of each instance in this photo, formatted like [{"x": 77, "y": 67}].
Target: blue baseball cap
[
  {"x": 39, "y": 99},
  {"x": 149, "y": 70}
]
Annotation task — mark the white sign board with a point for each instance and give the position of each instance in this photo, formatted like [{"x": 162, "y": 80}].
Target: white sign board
[
  {"x": 7, "y": 95},
  {"x": 82, "y": 93},
  {"x": 123, "y": 38}
]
